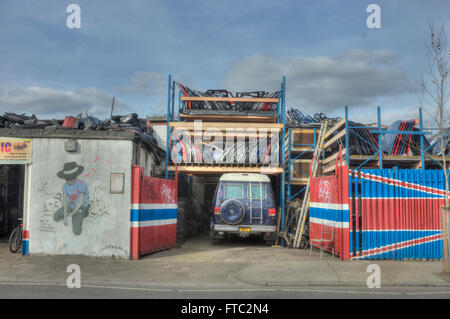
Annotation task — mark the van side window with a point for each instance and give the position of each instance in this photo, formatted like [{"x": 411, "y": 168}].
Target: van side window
[
  {"x": 256, "y": 191},
  {"x": 233, "y": 191}
]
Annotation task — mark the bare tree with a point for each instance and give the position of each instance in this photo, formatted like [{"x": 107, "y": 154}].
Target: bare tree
[
  {"x": 436, "y": 96},
  {"x": 436, "y": 90}
]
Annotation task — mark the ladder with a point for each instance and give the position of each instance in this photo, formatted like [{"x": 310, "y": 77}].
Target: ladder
[
  {"x": 250, "y": 196},
  {"x": 313, "y": 171}
]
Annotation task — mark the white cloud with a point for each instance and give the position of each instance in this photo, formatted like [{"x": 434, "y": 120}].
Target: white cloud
[
  {"x": 355, "y": 78},
  {"x": 52, "y": 103}
]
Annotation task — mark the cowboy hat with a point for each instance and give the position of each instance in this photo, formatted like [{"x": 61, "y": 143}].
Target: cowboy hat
[{"x": 70, "y": 170}]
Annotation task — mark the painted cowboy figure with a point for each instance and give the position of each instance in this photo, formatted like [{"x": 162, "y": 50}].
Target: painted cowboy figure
[{"x": 75, "y": 197}]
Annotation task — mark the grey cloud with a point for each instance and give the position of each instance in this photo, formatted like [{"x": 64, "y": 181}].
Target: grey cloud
[
  {"x": 146, "y": 83},
  {"x": 356, "y": 78},
  {"x": 53, "y": 103}
]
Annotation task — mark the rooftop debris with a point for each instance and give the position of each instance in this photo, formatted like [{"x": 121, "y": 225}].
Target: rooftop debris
[{"x": 130, "y": 122}]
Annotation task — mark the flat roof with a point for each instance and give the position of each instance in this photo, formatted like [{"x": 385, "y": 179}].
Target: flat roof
[{"x": 66, "y": 133}]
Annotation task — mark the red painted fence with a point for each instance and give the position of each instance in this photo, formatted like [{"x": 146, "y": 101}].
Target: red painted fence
[
  {"x": 329, "y": 210},
  {"x": 153, "y": 214}
]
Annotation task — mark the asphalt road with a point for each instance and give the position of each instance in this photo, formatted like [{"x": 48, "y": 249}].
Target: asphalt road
[{"x": 44, "y": 291}]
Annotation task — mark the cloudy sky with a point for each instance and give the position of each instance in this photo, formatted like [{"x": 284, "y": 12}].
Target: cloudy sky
[{"x": 127, "y": 49}]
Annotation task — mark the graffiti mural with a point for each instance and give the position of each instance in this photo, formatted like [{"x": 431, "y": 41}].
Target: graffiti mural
[{"x": 75, "y": 197}]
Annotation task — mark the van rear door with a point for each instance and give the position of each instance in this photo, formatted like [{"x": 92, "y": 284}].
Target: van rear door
[{"x": 260, "y": 200}]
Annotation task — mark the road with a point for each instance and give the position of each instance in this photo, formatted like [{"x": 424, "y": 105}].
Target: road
[{"x": 42, "y": 291}]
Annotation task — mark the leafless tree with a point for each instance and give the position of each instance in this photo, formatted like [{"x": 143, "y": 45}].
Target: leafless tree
[{"x": 435, "y": 89}]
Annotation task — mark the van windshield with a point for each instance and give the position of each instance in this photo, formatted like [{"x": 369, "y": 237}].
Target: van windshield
[
  {"x": 233, "y": 191},
  {"x": 257, "y": 191}
]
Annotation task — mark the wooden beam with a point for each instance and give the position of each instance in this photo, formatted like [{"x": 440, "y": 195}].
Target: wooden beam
[
  {"x": 337, "y": 126},
  {"x": 225, "y": 125},
  {"x": 218, "y": 170},
  {"x": 333, "y": 157},
  {"x": 303, "y": 130},
  {"x": 229, "y": 99},
  {"x": 226, "y": 118},
  {"x": 334, "y": 139}
]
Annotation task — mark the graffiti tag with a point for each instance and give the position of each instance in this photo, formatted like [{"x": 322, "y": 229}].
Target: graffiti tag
[{"x": 324, "y": 191}]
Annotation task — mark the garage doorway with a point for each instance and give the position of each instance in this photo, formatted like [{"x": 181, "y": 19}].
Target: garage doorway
[{"x": 12, "y": 182}]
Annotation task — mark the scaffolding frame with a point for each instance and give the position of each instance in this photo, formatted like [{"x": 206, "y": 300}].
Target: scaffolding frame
[
  {"x": 291, "y": 161},
  {"x": 381, "y": 132},
  {"x": 280, "y": 119}
]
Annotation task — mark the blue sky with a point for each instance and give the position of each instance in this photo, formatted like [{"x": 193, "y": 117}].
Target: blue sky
[{"x": 127, "y": 49}]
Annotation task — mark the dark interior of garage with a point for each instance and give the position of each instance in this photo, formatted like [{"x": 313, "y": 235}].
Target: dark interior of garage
[
  {"x": 11, "y": 198},
  {"x": 195, "y": 202}
]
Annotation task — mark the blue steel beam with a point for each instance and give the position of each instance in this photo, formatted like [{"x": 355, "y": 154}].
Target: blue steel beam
[
  {"x": 422, "y": 156},
  {"x": 289, "y": 164},
  {"x": 167, "y": 129},
  {"x": 380, "y": 151},
  {"x": 283, "y": 154},
  {"x": 347, "y": 153}
]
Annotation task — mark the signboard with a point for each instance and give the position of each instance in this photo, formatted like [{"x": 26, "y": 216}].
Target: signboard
[
  {"x": 117, "y": 183},
  {"x": 15, "y": 150}
]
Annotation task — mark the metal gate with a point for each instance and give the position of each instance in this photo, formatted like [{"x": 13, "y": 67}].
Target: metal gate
[
  {"x": 153, "y": 215},
  {"x": 329, "y": 211},
  {"x": 394, "y": 213}
]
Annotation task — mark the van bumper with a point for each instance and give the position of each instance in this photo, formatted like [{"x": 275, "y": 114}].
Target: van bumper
[{"x": 253, "y": 228}]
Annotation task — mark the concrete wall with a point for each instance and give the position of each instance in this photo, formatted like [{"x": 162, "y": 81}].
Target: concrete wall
[
  {"x": 146, "y": 161},
  {"x": 160, "y": 133},
  {"x": 105, "y": 231}
]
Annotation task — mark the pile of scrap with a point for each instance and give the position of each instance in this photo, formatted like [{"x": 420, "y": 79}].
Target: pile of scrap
[
  {"x": 295, "y": 118},
  {"x": 361, "y": 140},
  {"x": 435, "y": 142},
  {"x": 236, "y": 152},
  {"x": 402, "y": 144},
  {"x": 292, "y": 221},
  {"x": 227, "y": 105},
  {"x": 131, "y": 123}
]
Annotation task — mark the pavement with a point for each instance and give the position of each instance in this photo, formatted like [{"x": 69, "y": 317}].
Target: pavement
[{"x": 240, "y": 264}]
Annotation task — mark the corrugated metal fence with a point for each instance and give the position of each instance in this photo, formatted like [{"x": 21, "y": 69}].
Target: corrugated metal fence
[
  {"x": 380, "y": 213},
  {"x": 394, "y": 213}
]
